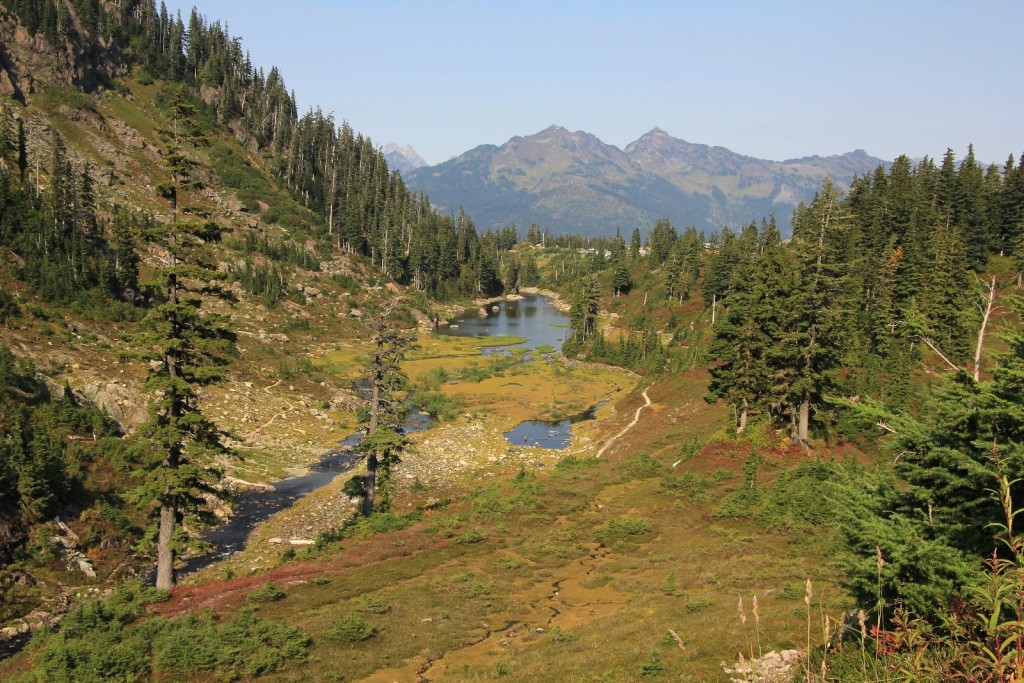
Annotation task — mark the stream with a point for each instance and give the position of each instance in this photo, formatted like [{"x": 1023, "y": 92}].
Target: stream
[
  {"x": 531, "y": 317},
  {"x": 259, "y": 505}
]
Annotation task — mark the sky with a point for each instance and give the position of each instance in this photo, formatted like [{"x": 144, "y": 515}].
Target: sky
[{"x": 772, "y": 79}]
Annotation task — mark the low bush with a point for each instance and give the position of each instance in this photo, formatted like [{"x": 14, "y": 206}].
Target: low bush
[
  {"x": 373, "y": 604},
  {"x": 624, "y": 528},
  {"x": 268, "y": 592},
  {"x": 110, "y": 640},
  {"x": 349, "y": 628}
]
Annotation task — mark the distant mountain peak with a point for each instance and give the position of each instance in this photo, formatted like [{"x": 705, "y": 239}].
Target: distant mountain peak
[
  {"x": 555, "y": 131},
  {"x": 402, "y": 159}
]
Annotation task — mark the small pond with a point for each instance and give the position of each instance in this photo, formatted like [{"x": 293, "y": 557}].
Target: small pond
[
  {"x": 554, "y": 434},
  {"x": 532, "y": 317}
]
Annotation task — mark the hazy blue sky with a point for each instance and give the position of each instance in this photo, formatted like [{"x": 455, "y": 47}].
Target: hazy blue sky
[{"x": 773, "y": 79}]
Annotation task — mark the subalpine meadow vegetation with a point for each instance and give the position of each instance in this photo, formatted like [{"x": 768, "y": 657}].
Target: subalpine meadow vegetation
[{"x": 810, "y": 443}]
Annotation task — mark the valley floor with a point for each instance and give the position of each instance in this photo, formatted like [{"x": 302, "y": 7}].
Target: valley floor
[{"x": 535, "y": 565}]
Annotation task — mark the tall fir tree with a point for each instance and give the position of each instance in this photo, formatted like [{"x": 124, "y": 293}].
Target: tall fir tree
[
  {"x": 385, "y": 439},
  {"x": 187, "y": 349},
  {"x": 808, "y": 359}
]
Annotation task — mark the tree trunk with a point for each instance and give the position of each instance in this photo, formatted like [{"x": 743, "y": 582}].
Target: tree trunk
[
  {"x": 742, "y": 425},
  {"x": 370, "y": 484},
  {"x": 990, "y": 300},
  {"x": 165, "y": 552},
  {"x": 805, "y": 418}
]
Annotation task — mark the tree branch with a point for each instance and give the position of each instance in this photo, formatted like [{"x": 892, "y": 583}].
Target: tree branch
[
  {"x": 883, "y": 425},
  {"x": 989, "y": 299},
  {"x": 931, "y": 345}
]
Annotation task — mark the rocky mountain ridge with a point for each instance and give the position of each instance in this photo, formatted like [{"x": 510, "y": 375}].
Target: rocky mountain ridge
[{"x": 573, "y": 182}]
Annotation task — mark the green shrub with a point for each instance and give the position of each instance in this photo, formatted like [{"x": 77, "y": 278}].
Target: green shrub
[
  {"x": 373, "y": 604},
  {"x": 471, "y": 536},
  {"x": 688, "y": 485},
  {"x": 694, "y": 605},
  {"x": 434, "y": 378},
  {"x": 559, "y": 635},
  {"x": 797, "y": 499},
  {"x": 624, "y": 528},
  {"x": 107, "y": 641},
  {"x": 510, "y": 562},
  {"x": 8, "y": 306},
  {"x": 268, "y": 592},
  {"x": 571, "y": 462},
  {"x": 642, "y": 467},
  {"x": 653, "y": 667},
  {"x": 440, "y": 405},
  {"x": 384, "y": 522},
  {"x": 349, "y": 628}
]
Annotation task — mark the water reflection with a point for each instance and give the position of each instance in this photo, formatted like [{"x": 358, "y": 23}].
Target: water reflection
[
  {"x": 543, "y": 325},
  {"x": 553, "y": 434},
  {"x": 531, "y": 317}
]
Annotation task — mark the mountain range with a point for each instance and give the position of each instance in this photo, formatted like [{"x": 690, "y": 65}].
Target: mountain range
[{"x": 572, "y": 182}]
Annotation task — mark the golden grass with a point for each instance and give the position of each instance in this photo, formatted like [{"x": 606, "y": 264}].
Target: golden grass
[{"x": 440, "y": 345}]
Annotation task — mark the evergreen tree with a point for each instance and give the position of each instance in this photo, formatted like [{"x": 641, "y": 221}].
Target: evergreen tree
[
  {"x": 662, "y": 239},
  {"x": 385, "y": 440},
  {"x": 187, "y": 349},
  {"x": 725, "y": 254},
  {"x": 806, "y": 361},
  {"x": 935, "y": 527},
  {"x": 753, "y": 324},
  {"x": 529, "y": 274},
  {"x": 583, "y": 314},
  {"x": 621, "y": 281}
]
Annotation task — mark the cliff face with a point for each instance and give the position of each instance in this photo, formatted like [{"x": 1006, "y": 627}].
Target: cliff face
[{"x": 79, "y": 60}]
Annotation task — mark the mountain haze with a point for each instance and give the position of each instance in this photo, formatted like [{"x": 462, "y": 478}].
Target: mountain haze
[{"x": 573, "y": 182}]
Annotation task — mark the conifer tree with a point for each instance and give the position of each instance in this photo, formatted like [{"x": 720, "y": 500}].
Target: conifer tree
[
  {"x": 582, "y": 314},
  {"x": 385, "y": 440},
  {"x": 621, "y": 281},
  {"x": 936, "y": 526},
  {"x": 662, "y": 239},
  {"x": 187, "y": 348},
  {"x": 752, "y": 326},
  {"x": 808, "y": 357}
]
